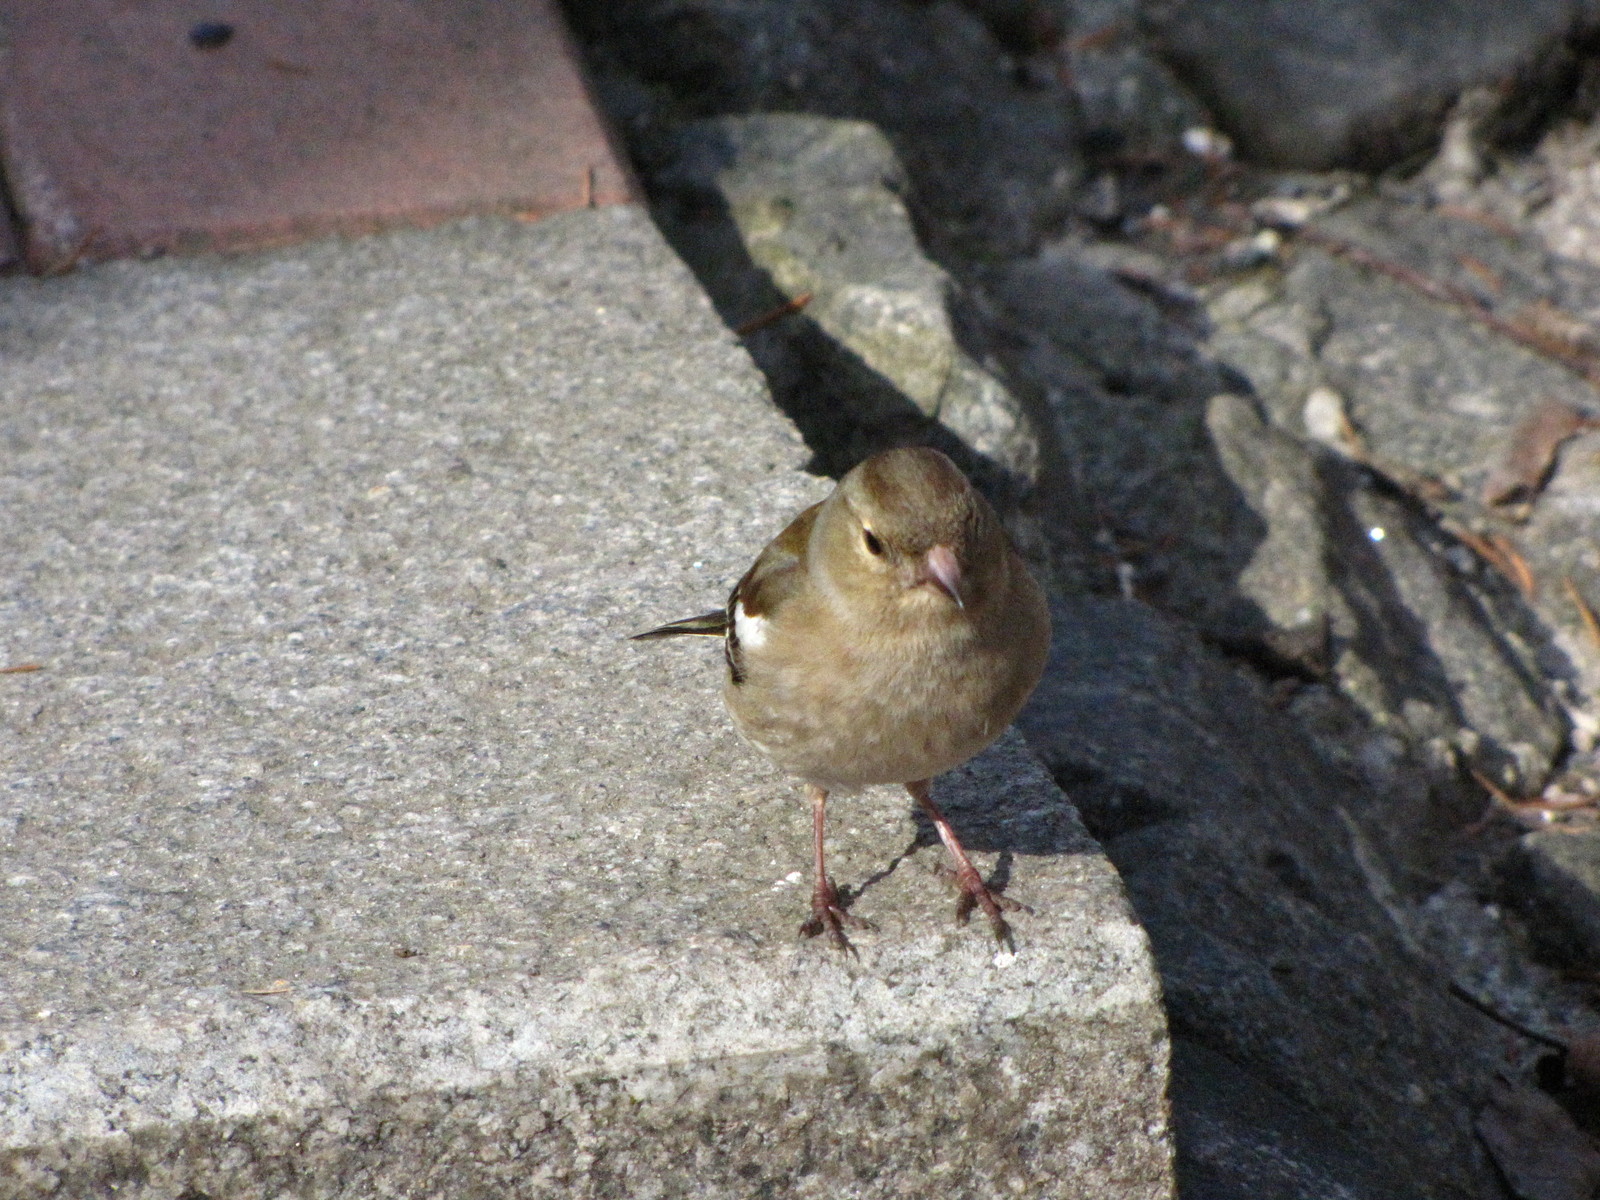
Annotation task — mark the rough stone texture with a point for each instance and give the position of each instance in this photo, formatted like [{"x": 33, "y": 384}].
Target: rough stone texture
[
  {"x": 1264, "y": 541},
  {"x": 1126, "y": 97},
  {"x": 1432, "y": 396},
  {"x": 1554, "y": 876},
  {"x": 998, "y": 150},
  {"x": 1565, "y": 191},
  {"x": 1463, "y": 683},
  {"x": 1445, "y": 399},
  {"x": 1240, "y": 1137},
  {"x": 327, "y": 557},
  {"x": 1120, "y": 335},
  {"x": 1358, "y": 83},
  {"x": 1271, "y": 918},
  {"x": 814, "y": 211},
  {"x": 1286, "y": 578},
  {"x": 1123, "y": 390},
  {"x": 122, "y": 137}
]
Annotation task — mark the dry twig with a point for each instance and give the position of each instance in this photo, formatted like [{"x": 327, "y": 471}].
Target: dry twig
[
  {"x": 1500, "y": 552},
  {"x": 1590, "y": 621},
  {"x": 1483, "y": 273},
  {"x": 1518, "y": 570},
  {"x": 776, "y": 314},
  {"x": 1477, "y": 216},
  {"x": 1511, "y": 1023}
]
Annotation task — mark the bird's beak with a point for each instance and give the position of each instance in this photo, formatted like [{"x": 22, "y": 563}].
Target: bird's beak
[{"x": 942, "y": 569}]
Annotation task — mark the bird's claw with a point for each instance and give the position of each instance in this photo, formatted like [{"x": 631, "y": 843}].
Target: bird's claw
[
  {"x": 828, "y": 915},
  {"x": 977, "y": 894}
]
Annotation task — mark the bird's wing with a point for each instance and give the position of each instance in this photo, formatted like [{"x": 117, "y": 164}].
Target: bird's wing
[{"x": 778, "y": 572}]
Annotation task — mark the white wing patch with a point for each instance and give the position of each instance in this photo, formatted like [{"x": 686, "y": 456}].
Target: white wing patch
[{"x": 751, "y": 631}]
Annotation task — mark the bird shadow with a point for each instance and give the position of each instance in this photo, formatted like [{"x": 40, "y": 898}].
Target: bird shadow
[
  {"x": 882, "y": 873},
  {"x": 997, "y": 880}
]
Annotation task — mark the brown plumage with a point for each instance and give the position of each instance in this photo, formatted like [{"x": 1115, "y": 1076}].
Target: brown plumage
[{"x": 887, "y": 635}]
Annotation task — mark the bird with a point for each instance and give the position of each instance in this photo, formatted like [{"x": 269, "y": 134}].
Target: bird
[{"x": 887, "y": 635}]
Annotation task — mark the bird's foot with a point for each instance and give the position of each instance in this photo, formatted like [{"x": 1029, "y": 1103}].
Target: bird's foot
[
  {"x": 977, "y": 894},
  {"x": 828, "y": 915}
]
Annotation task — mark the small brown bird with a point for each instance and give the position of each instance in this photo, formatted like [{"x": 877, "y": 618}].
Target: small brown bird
[{"x": 888, "y": 634}]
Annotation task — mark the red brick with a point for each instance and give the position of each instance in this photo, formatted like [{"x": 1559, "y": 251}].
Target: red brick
[{"x": 122, "y": 137}]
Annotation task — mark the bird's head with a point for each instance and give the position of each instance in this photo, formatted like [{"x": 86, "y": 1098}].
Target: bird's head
[{"x": 906, "y": 528}]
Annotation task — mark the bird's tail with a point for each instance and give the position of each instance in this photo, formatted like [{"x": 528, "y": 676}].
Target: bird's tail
[{"x": 712, "y": 624}]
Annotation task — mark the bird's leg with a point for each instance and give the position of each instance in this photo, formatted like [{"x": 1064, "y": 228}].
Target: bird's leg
[
  {"x": 974, "y": 892},
  {"x": 827, "y": 914}
]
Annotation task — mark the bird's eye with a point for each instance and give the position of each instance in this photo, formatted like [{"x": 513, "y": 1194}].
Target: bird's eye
[{"x": 874, "y": 546}]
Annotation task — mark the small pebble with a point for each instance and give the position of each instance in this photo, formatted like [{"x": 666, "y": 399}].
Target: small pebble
[
  {"x": 1291, "y": 212},
  {"x": 1207, "y": 143},
  {"x": 1325, "y": 418},
  {"x": 1246, "y": 252}
]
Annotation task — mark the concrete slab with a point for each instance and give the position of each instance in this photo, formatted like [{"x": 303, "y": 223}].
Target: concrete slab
[
  {"x": 349, "y": 850},
  {"x": 160, "y": 125}
]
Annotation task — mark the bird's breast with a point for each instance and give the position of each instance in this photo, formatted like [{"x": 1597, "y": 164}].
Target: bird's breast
[{"x": 846, "y": 713}]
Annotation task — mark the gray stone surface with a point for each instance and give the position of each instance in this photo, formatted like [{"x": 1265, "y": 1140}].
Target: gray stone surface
[
  {"x": 1554, "y": 876},
  {"x": 1446, "y": 399},
  {"x": 1123, "y": 390},
  {"x": 1242, "y": 1138},
  {"x": 1126, "y": 97},
  {"x": 1263, "y": 540},
  {"x": 1361, "y": 83},
  {"x": 348, "y": 848},
  {"x": 1294, "y": 988},
  {"x": 1432, "y": 395},
  {"x": 812, "y": 208}
]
